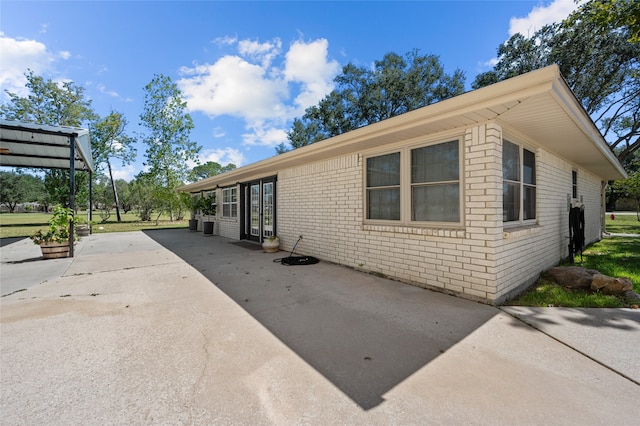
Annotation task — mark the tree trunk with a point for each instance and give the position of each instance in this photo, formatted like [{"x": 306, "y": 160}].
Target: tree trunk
[{"x": 115, "y": 192}]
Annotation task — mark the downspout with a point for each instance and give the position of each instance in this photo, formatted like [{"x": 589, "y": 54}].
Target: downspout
[
  {"x": 90, "y": 201},
  {"x": 603, "y": 208}
]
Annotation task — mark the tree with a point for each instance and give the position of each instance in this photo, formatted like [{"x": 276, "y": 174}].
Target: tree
[
  {"x": 16, "y": 188},
  {"x": 630, "y": 188},
  {"x": 601, "y": 65},
  {"x": 49, "y": 103},
  {"x": 208, "y": 169},
  {"x": 109, "y": 140},
  {"x": 364, "y": 95},
  {"x": 56, "y": 105},
  {"x": 168, "y": 146},
  {"x": 124, "y": 195},
  {"x": 56, "y": 183},
  {"x": 103, "y": 197},
  {"x": 615, "y": 14},
  {"x": 142, "y": 194}
]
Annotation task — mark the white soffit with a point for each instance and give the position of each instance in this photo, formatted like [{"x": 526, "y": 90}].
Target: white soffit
[{"x": 41, "y": 146}]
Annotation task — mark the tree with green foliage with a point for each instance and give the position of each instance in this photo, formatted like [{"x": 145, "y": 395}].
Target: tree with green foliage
[
  {"x": 57, "y": 105},
  {"x": 630, "y": 188},
  {"x": 17, "y": 188},
  {"x": 56, "y": 183},
  {"x": 169, "y": 148},
  {"x": 616, "y": 14},
  {"x": 103, "y": 198},
  {"x": 364, "y": 95},
  {"x": 600, "y": 64},
  {"x": 110, "y": 141},
  {"x": 142, "y": 189},
  {"x": 49, "y": 103},
  {"x": 124, "y": 195},
  {"x": 208, "y": 169}
]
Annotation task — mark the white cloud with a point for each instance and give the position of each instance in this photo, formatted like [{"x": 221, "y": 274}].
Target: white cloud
[
  {"x": 265, "y": 53},
  {"x": 17, "y": 55},
  {"x": 218, "y": 132},
  {"x": 223, "y": 156},
  {"x": 307, "y": 64},
  {"x": 231, "y": 86},
  {"x": 226, "y": 40},
  {"x": 127, "y": 172},
  {"x": 103, "y": 89},
  {"x": 540, "y": 16},
  {"x": 264, "y": 134},
  {"x": 261, "y": 86},
  {"x": 556, "y": 11}
]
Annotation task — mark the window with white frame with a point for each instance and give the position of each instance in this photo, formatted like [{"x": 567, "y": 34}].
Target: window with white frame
[
  {"x": 230, "y": 202},
  {"x": 415, "y": 185},
  {"x": 518, "y": 183}
]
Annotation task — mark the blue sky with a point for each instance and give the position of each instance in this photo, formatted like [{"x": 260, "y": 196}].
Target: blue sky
[{"x": 246, "y": 69}]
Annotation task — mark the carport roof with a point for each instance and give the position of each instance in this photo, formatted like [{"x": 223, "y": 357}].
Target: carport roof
[{"x": 35, "y": 145}]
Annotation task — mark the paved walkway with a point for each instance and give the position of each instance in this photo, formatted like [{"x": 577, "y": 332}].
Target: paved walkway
[{"x": 170, "y": 327}]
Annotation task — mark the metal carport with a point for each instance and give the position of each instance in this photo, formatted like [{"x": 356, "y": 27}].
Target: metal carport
[{"x": 41, "y": 146}]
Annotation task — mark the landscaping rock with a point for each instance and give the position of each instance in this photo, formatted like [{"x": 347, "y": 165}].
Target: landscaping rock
[
  {"x": 632, "y": 295},
  {"x": 610, "y": 285},
  {"x": 573, "y": 276}
]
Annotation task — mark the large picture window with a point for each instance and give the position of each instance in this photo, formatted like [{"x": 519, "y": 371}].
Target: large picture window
[
  {"x": 415, "y": 184},
  {"x": 230, "y": 202},
  {"x": 518, "y": 183}
]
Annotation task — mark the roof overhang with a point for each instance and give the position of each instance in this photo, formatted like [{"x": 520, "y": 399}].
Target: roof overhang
[
  {"x": 538, "y": 105},
  {"x": 41, "y": 146}
]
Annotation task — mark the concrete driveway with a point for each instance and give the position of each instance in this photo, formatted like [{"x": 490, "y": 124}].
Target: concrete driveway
[{"x": 171, "y": 327}]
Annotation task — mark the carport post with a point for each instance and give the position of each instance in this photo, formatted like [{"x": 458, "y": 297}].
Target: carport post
[
  {"x": 72, "y": 189},
  {"x": 90, "y": 201}
]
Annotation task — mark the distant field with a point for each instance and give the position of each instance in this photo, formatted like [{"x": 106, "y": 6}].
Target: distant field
[
  {"x": 623, "y": 224},
  {"x": 25, "y": 224}
]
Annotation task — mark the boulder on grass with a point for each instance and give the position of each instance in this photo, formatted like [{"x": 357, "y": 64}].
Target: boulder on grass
[
  {"x": 610, "y": 285},
  {"x": 573, "y": 276}
]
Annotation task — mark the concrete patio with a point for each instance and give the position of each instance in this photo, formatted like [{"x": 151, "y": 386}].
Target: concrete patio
[{"x": 171, "y": 327}]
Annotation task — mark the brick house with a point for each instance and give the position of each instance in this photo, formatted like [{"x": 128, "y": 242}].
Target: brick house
[{"x": 469, "y": 196}]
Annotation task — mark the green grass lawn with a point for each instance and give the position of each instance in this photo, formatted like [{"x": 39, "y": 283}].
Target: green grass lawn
[
  {"x": 614, "y": 256},
  {"x": 623, "y": 224},
  {"x": 25, "y": 224}
]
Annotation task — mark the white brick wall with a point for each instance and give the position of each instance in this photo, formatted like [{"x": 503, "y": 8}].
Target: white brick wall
[
  {"x": 224, "y": 227},
  {"x": 324, "y": 202},
  {"x": 524, "y": 253}
]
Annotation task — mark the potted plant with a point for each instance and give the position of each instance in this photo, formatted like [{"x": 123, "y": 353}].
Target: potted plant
[
  {"x": 83, "y": 229},
  {"x": 194, "y": 205},
  {"x": 54, "y": 241},
  {"x": 271, "y": 244},
  {"x": 207, "y": 208}
]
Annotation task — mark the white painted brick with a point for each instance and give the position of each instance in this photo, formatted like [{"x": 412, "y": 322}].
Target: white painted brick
[{"x": 324, "y": 202}]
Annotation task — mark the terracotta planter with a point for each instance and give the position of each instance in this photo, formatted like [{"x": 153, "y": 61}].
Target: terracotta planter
[
  {"x": 271, "y": 246},
  {"x": 55, "y": 250},
  {"x": 82, "y": 230}
]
